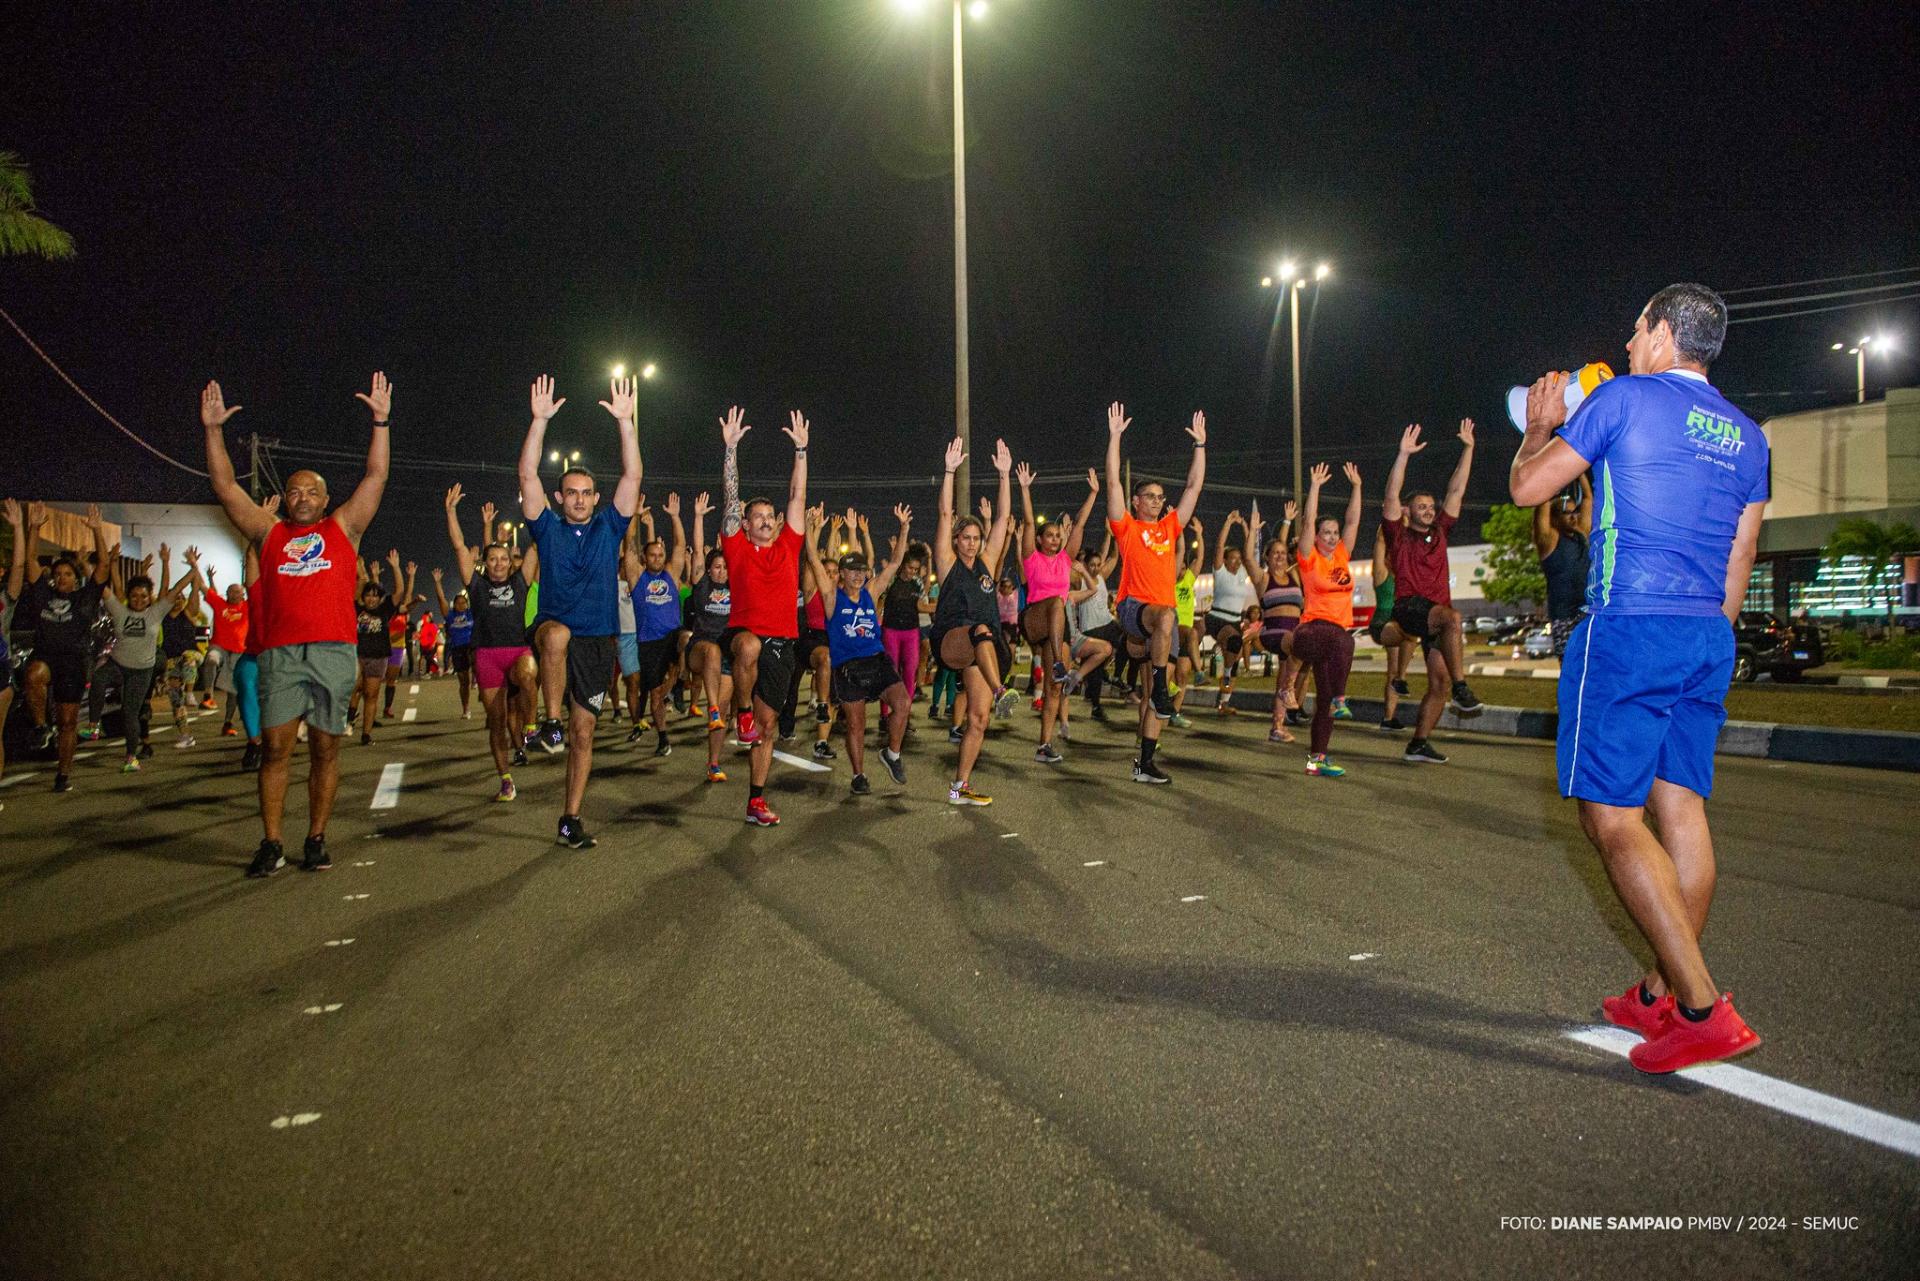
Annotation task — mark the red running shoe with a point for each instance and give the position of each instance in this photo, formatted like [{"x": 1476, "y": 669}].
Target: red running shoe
[
  {"x": 749, "y": 731},
  {"x": 1627, "y": 1011},
  {"x": 1683, "y": 1043},
  {"x": 759, "y": 815}
]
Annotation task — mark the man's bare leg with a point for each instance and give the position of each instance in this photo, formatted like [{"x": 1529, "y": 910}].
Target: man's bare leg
[
  {"x": 276, "y": 751},
  {"x": 1645, "y": 877},
  {"x": 1681, "y": 815},
  {"x": 323, "y": 780}
]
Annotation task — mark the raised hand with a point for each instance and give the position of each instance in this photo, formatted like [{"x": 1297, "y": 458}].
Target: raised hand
[
  {"x": 166, "y": 554},
  {"x": 1024, "y": 474},
  {"x": 1352, "y": 474},
  {"x": 1117, "y": 420},
  {"x": 955, "y": 455},
  {"x": 986, "y": 509},
  {"x": 11, "y": 510},
  {"x": 816, "y": 520},
  {"x": 862, "y": 521},
  {"x": 438, "y": 574},
  {"x": 1253, "y": 515},
  {"x": 1410, "y": 442},
  {"x": 213, "y": 407},
  {"x": 454, "y": 496},
  {"x": 486, "y": 521},
  {"x": 903, "y": 514},
  {"x": 93, "y": 516},
  {"x": 192, "y": 557},
  {"x": 701, "y": 504},
  {"x": 379, "y": 399},
  {"x": 1198, "y": 529},
  {"x": 544, "y": 405},
  {"x": 1002, "y": 457},
  {"x": 853, "y": 518},
  {"x": 36, "y": 514},
  {"x": 146, "y": 564},
  {"x": 393, "y": 559},
  {"x": 1466, "y": 432},
  {"x": 734, "y": 426},
  {"x": 1093, "y": 480},
  {"x": 1199, "y": 429},
  {"x": 672, "y": 506},
  {"x": 1319, "y": 476},
  {"x": 1289, "y": 510},
  {"x": 640, "y": 509},
  {"x": 622, "y": 393},
  {"x": 270, "y": 504},
  {"x": 799, "y": 429},
  {"x": 412, "y": 569}
]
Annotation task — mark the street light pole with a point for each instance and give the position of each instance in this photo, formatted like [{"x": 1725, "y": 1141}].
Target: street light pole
[
  {"x": 961, "y": 408},
  {"x": 1860, "y": 373},
  {"x": 1294, "y": 291}
]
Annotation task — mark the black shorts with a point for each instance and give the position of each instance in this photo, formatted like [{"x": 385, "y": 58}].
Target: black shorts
[
  {"x": 69, "y": 670},
  {"x": 656, "y": 656},
  {"x": 1226, "y": 633},
  {"x": 861, "y": 680},
  {"x": 779, "y": 661},
  {"x": 460, "y": 658},
  {"x": 1377, "y": 625},
  {"x": 995, "y": 632},
  {"x": 590, "y": 665},
  {"x": 811, "y": 640},
  {"x": 1109, "y": 631},
  {"x": 1411, "y": 612},
  {"x": 719, "y": 642}
]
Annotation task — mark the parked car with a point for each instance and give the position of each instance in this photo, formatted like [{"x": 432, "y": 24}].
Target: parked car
[
  {"x": 1538, "y": 643},
  {"x": 1764, "y": 642}
]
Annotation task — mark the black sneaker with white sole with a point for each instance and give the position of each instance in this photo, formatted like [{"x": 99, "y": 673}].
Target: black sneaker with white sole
[
  {"x": 1463, "y": 700},
  {"x": 1393, "y": 724},
  {"x": 663, "y": 747},
  {"x": 860, "y": 786},
  {"x": 1046, "y": 755},
  {"x": 1163, "y": 704},
  {"x": 313, "y": 855},
  {"x": 519, "y": 756},
  {"x": 896, "y": 765},
  {"x": 573, "y": 834},
  {"x": 267, "y": 860},
  {"x": 633, "y": 735},
  {"x": 1149, "y": 773},
  {"x": 549, "y": 738},
  {"x": 1421, "y": 752},
  {"x": 955, "y": 734},
  {"x": 822, "y": 750},
  {"x": 1400, "y": 688},
  {"x": 62, "y": 784}
]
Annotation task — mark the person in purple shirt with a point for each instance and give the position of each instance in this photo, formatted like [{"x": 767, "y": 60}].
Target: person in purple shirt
[{"x": 1680, "y": 481}]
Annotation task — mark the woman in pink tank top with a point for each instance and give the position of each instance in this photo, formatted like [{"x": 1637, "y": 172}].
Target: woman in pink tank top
[{"x": 1047, "y": 553}]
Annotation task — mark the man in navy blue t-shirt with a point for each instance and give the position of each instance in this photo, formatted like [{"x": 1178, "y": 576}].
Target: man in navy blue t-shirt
[
  {"x": 1680, "y": 484},
  {"x": 573, "y": 632}
]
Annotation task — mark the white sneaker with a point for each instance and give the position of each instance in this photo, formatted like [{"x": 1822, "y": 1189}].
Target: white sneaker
[{"x": 184, "y": 741}]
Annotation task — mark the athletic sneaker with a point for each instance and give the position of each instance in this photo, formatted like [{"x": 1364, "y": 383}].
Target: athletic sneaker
[
  {"x": 1179, "y": 721},
  {"x": 1070, "y": 683},
  {"x": 822, "y": 714},
  {"x": 41, "y": 738},
  {"x": 90, "y": 733},
  {"x": 1060, "y": 673},
  {"x": 963, "y": 794},
  {"x": 228, "y": 731},
  {"x": 267, "y": 860},
  {"x": 663, "y": 747},
  {"x": 1099, "y": 713},
  {"x": 715, "y": 774},
  {"x": 1046, "y": 755},
  {"x": 1400, "y": 688},
  {"x": 61, "y": 783},
  {"x": 1628, "y": 1011},
  {"x": 822, "y": 750},
  {"x": 1279, "y": 736},
  {"x": 714, "y": 719},
  {"x": 313, "y": 855},
  {"x": 1163, "y": 705},
  {"x": 366, "y": 740},
  {"x": 1421, "y": 752},
  {"x": 519, "y": 757},
  {"x": 250, "y": 758},
  {"x": 748, "y": 730},
  {"x": 1463, "y": 700},
  {"x": 1393, "y": 724},
  {"x": 860, "y": 786},
  {"x": 1322, "y": 767},
  {"x": 1149, "y": 773},
  {"x": 1004, "y": 702},
  {"x": 1682, "y": 1043},
  {"x": 132, "y": 766},
  {"x": 1064, "y": 730},
  {"x": 758, "y": 814},
  {"x": 573, "y": 834},
  {"x": 895, "y": 765},
  {"x": 551, "y": 739},
  {"x": 1341, "y": 712},
  {"x": 207, "y": 704},
  {"x": 507, "y": 790},
  {"x": 183, "y": 742},
  {"x": 955, "y": 734},
  {"x": 633, "y": 735},
  {"x": 146, "y": 751}
]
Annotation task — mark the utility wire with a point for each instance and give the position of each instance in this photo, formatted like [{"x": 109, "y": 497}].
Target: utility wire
[
  {"x": 1814, "y": 311},
  {"x": 1831, "y": 293},
  {"x": 1819, "y": 280}
]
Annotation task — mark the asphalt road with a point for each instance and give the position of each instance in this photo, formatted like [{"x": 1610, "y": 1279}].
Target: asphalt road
[{"x": 1251, "y": 1025}]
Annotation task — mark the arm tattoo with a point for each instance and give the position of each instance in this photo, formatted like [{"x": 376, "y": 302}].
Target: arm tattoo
[{"x": 730, "y": 494}]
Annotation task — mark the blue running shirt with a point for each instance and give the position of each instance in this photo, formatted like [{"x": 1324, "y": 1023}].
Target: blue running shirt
[
  {"x": 1674, "y": 467},
  {"x": 580, "y": 570},
  {"x": 656, "y": 605},
  {"x": 853, "y": 630}
]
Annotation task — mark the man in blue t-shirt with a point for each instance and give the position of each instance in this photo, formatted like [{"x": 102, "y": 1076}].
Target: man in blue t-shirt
[
  {"x": 1680, "y": 484},
  {"x": 578, "y": 617}
]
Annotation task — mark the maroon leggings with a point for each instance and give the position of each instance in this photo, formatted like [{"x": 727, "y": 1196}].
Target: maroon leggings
[{"x": 1328, "y": 651}]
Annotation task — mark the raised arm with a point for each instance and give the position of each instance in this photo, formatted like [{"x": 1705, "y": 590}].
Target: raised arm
[
  {"x": 943, "y": 536},
  {"x": 252, "y": 570},
  {"x": 36, "y": 517},
  {"x": 733, "y": 428},
  {"x": 1350, "y": 529},
  {"x": 1545, "y": 463},
  {"x": 816, "y": 570},
  {"x": 17, "y": 563},
  {"x": 698, "y": 564},
  {"x": 1220, "y": 541},
  {"x": 440, "y": 593},
  {"x": 117, "y": 579},
  {"x": 100, "y": 547},
  {"x": 1255, "y": 560},
  {"x": 190, "y": 580},
  {"x": 1003, "y": 506},
  {"x": 797, "y": 432},
  {"x": 1024, "y": 474},
  {"x": 866, "y": 536},
  {"x": 896, "y": 551},
  {"x": 1117, "y": 424},
  {"x": 166, "y": 569},
  {"x": 622, "y": 395},
  {"x": 677, "y": 554},
  {"x": 1544, "y": 537},
  {"x": 1196, "y": 556},
  {"x": 245, "y": 514},
  {"x": 1310, "y": 518},
  {"x": 1410, "y": 444},
  {"x": 533, "y": 500},
  {"x": 1457, "y": 483},
  {"x": 357, "y": 513},
  {"x": 462, "y": 554},
  {"x": 1196, "y": 470},
  {"x": 1078, "y": 533}
]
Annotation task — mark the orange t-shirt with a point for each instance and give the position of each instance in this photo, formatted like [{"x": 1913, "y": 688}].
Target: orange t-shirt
[
  {"x": 1149, "y": 557},
  {"x": 1329, "y": 587}
]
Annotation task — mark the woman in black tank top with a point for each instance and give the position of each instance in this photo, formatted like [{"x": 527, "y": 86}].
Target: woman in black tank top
[
  {"x": 966, "y": 620},
  {"x": 707, "y": 610}
]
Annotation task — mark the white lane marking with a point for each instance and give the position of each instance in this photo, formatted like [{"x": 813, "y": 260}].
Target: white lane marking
[
  {"x": 339, "y": 942},
  {"x": 11, "y": 779},
  {"x": 84, "y": 756},
  {"x": 298, "y": 1118},
  {"x": 410, "y": 713},
  {"x": 1193, "y": 898},
  {"x": 413, "y": 689},
  {"x": 351, "y": 898},
  {"x": 321, "y": 1009},
  {"x": 365, "y": 862},
  {"x": 1097, "y": 862},
  {"x": 387, "y": 794},
  {"x": 1363, "y": 956},
  {"x": 802, "y": 762},
  {"x": 1879, "y": 1128},
  {"x": 1007, "y": 836}
]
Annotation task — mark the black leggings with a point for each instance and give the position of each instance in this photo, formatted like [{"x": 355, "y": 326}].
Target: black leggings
[{"x": 1328, "y": 651}]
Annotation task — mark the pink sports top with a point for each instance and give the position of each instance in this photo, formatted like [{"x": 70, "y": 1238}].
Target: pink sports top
[{"x": 1047, "y": 576}]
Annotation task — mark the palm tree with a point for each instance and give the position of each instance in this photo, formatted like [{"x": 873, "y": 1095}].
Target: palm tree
[
  {"x": 22, "y": 231},
  {"x": 1879, "y": 545}
]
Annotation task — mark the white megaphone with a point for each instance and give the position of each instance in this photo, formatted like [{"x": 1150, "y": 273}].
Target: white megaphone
[{"x": 1579, "y": 386}]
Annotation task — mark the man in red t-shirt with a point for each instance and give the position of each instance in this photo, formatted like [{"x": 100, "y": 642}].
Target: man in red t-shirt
[
  {"x": 1422, "y": 585},
  {"x": 763, "y": 573},
  {"x": 1149, "y": 539},
  {"x": 228, "y": 644},
  {"x": 303, "y": 618}
]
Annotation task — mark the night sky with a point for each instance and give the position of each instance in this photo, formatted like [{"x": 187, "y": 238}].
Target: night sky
[{"x": 757, "y": 196}]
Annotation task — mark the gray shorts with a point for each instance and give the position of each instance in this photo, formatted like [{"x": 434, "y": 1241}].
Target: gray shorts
[
  {"x": 314, "y": 681},
  {"x": 222, "y": 664}
]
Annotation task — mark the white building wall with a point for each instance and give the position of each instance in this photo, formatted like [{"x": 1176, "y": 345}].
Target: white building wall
[{"x": 144, "y": 526}]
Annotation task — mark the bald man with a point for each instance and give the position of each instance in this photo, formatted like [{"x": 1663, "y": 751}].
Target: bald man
[{"x": 304, "y": 613}]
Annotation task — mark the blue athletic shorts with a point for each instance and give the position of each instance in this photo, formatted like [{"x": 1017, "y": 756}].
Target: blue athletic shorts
[
  {"x": 629, "y": 653},
  {"x": 1642, "y": 696}
]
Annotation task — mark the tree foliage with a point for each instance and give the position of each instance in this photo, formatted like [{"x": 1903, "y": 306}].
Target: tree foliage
[
  {"x": 22, "y": 230},
  {"x": 1513, "y": 570},
  {"x": 1878, "y": 545}
]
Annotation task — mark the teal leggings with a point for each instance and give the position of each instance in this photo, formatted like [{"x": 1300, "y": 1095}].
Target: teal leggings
[
  {"x": 947, "y": 681},
  {"x": 246, "y": 685}
]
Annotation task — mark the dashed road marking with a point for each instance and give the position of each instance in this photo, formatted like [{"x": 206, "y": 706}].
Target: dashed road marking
[
  {"x": 85, "y": 756},
  {"x": 1363, "y": 956},
  {"x": 1094, "y": 862},
  {"x": 298, "y": 1118},
  {"x": 365, "y": 862},
  {"x": 12, "y": 779},
  {"x": 1193, "y": 898},
  {"x": 413, "y": 689},
  {"x": 1878, "y": 1128},
  {"x": 801, "y": 761},
  {"x": 1007, "y": 836},
  {"x": 339, "y": 942},
  {"x": 321, "y": 1009},
  {"x": 410, "y": 714},
  {"x": 354, "y": 898},
  {"x": 387, "y": 794}
]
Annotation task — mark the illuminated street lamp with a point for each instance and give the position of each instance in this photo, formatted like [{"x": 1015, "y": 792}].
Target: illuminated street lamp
[
  {"x": 649, "y": 369},
  {"x": 1296, "y": 280},
  {"x": 618, "y": 371},
  {"x": 1878, "y": 342}
]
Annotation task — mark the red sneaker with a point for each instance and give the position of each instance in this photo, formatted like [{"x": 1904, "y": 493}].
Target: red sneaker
[
  {"x": 749, "y": 730},
  {"x": 1683, "y": 1043},
  {"x": 1629, "y": 1012},
  {"x": 759, "y": 815}
]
